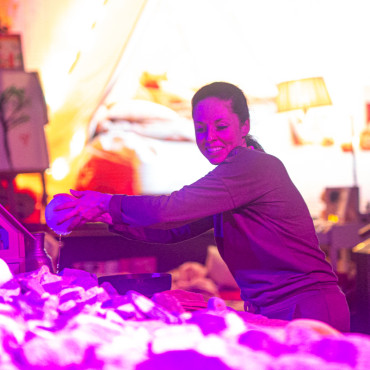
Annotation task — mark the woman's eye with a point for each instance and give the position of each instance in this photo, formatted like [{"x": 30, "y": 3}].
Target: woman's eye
[
  {"x": 222, "y": 127},
  {"x": 199, "y": 129}
]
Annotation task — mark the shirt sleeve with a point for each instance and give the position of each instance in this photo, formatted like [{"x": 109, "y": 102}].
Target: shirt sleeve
[{"x": 206, "y": 197}]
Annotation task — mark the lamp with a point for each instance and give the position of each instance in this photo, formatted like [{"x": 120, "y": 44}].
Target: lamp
[{"x": 302, "y": 94}]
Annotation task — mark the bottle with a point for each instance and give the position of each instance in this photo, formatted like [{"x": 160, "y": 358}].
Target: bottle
[{"x": 36, "y": 255}]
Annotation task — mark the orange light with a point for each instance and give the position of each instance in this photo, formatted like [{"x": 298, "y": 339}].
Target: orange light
[{"x": 333, "y": 218}]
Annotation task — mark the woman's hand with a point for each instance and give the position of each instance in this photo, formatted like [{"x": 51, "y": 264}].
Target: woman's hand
[{"x": 88, "y": 206}]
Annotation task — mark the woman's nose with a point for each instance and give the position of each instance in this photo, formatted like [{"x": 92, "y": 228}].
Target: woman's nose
[{"x": 210, "y": 134}]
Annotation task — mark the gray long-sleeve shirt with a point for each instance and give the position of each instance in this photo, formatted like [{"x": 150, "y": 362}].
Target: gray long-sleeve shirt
[{"x": 262, "y": 226}]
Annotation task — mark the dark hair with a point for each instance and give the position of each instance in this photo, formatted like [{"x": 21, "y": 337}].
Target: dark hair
[
  {"x": 224, "y": 91},
  {"x": 228, "y": 92}
]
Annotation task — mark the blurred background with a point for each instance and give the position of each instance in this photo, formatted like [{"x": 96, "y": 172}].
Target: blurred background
[{"x": 117, "y": 77}]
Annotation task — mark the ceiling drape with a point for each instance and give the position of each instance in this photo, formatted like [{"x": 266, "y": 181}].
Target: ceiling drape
[{"x": 75, "y": 46}]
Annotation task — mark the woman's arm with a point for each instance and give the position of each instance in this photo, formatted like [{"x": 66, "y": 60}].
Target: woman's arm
[
  {"x": 91, "y": 206},
  {"x": 204, "y": 198}
]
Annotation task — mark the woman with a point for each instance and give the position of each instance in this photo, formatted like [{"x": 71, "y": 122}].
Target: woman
[{"x": 262, "y": 226}]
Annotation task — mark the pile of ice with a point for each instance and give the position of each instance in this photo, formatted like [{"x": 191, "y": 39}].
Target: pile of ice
[{"x": 69, "y": 321}]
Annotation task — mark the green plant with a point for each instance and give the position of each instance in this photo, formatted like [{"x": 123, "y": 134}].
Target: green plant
[{"x": 12, "y": 102}]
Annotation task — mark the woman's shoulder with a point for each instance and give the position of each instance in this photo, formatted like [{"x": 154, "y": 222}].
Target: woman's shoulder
[
  {"x": 242, "y": 154},
  {"x": 246, "y": 163}
]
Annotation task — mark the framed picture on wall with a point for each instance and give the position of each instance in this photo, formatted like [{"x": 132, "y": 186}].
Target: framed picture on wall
[
  {"x": 11, "y": 52},
  {"x": 23, "y": 146}
]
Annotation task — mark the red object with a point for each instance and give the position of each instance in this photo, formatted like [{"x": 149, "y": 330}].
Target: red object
[
  {"x": 27, "y": 207},
  {"x": 230, "y": 295},
  {"x": 347, "y": 147},
  {"x": 104, "y": 175}
]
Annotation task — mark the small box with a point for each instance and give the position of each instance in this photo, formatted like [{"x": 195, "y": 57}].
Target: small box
[{"x": 343, "y": 203}]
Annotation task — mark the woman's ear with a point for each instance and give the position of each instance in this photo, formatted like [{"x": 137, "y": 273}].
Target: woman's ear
[{"x": 245, "y": 128}]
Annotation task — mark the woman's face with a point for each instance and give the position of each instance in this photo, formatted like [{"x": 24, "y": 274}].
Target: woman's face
[{"x": 218, "y": 129}]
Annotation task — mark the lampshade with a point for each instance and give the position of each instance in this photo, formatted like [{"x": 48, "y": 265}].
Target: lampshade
[{"x": 302, "y": 94}]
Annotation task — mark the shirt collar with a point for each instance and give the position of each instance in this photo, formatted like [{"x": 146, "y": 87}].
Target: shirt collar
[{"x": 235, "y": 151}]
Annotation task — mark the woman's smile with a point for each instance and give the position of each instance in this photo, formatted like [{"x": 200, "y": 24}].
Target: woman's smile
[{"x": 214, "y": 149}]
